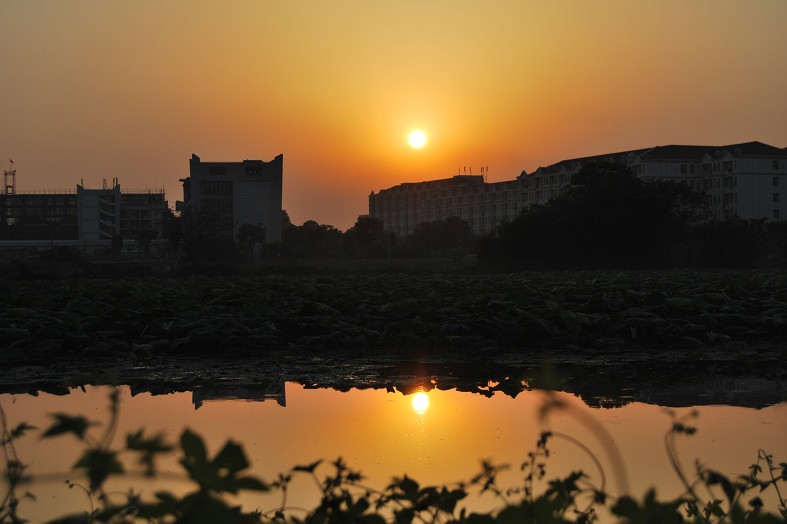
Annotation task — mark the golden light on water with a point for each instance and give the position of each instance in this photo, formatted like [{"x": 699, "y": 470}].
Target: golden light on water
[{"x": 420, "y": 402}]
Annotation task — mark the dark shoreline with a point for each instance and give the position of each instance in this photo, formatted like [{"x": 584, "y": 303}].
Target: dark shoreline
[
  {"x": 717, "y": 377},
  {"x": 611, "y": 336}
]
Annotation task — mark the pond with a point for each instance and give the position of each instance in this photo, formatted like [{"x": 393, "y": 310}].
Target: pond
[{"x": 436, "y": 437}]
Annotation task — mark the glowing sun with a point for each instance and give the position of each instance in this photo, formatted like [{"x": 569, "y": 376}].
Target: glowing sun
[{"x": 417, "y": 139}]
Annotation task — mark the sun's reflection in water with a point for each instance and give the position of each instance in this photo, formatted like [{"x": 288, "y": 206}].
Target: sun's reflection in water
[{"x": 420, "y": 402}]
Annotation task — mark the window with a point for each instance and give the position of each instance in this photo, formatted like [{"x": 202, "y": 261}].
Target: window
[
  {"x": 775, "y": 165},
  {"x": 683, "y": 169},
  {"x": 776, "y": 197},
  {"x": 775, "y": 181},
  {"x": 776, "y": 214}
]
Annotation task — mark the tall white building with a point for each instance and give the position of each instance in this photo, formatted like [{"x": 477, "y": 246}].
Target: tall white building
[
  {"x": 744, "y": 180},
  {"x": 227, "y": 195}
]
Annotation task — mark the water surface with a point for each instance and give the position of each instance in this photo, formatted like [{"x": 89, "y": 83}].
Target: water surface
[{"x": 386, "y": 434}]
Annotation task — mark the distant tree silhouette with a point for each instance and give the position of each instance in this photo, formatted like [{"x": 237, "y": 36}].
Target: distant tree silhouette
[
  {"x": 286, "y": 223},
  {"x": 311, "y": 240},
  {"x": 451, "y": 236},
  {"x": 144, "y": 238},
  {"x": 202, "y": 242},
  {"x": 366, "y": 239},
  {"x": 173, "y": 229},
  {"x": 774, "y": 245},
  {"x": 731, "y": 243},
  {"x": 250, "y": 236},
  {"x": 609, "y": 218}
]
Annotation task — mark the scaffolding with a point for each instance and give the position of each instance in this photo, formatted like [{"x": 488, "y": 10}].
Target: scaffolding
[{"x": 9, "y": 179}]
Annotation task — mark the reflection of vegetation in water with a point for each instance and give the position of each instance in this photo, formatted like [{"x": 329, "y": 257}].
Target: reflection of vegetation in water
[{"x": 344, "y": 498}]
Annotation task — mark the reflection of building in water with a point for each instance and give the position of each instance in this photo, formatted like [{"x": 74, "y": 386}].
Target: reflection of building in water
[
  {"x": 754, "y": 392},
  {"x": 250, "y": 393}
]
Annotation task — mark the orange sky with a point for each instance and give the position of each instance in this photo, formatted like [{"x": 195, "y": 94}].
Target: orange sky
[{"x": 92, "y": 89}]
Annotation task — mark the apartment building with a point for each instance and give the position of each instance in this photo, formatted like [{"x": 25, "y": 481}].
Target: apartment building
[
  {"x": 226, "y": 195},
  {"x": 744, "y": 180}
]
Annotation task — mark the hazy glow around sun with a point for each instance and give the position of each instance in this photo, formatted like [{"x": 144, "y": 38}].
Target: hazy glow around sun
[{"x": 417, "y": 139}]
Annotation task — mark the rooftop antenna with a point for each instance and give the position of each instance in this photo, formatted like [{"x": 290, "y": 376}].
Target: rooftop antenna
[{"x": 9, "y": 179}]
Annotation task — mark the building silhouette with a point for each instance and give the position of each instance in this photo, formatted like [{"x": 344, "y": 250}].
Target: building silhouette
[
  {"x": 273, "y": 390},
  {"x": 85, "y": 217},
  {"x": 740, "y": 180},
  {"x": 227, "y": 195}
]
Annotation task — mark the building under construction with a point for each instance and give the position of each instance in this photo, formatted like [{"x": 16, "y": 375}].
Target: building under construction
[{"x": 87, "y": 217}]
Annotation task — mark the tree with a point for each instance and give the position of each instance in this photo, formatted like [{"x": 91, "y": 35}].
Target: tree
[
  {"x": 451, "y": 236},
  {"x": 173, "y": 229},
  {"x": 286, "y": 223},
  {"x": 609, "y": 218},
  {"x": 249, "y": 236},
  {"x": 203, "y": 242},
  {"x": 366, "y": 239},
  {"x": 311, "y": 240},
  {"x": 733, "y": 243},
  {"x": 144, "y": 237}
]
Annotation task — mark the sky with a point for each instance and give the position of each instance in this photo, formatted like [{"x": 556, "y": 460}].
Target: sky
[{"x": 93, "y": 90}]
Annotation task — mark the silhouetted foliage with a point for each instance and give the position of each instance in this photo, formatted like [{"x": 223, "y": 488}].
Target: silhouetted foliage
[
  {"x": 731, "y": 243},
  {"x": 173, "y": 229},
  {"x": 203, "y": 243},
  {"x": 250, "y": 237},
  {"x": 144, "y": 238},
  {"x": 286, "y": 223},
  {"x": 450, "y": 237},
  {"x": 311, "y": 240},
  {"x": 367, "y": 239},
  {"x": 774, "y": 245},
  {"x": 609, "y": 218}
]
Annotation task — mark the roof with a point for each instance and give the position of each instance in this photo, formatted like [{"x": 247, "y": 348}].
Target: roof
[
  {"x": 594, "y": 158},
  {"x": 755, "y": 149},
  {"x": 678, "y": 152},
  {"x": 598, "y": 157},
  {"x": 454, "y": 180}
]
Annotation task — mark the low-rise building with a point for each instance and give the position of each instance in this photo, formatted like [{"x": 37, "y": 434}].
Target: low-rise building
[{"x": 740, "y": 180}]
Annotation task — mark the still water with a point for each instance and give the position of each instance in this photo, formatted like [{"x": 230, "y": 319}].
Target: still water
[{"x": 438, "y": 437}]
